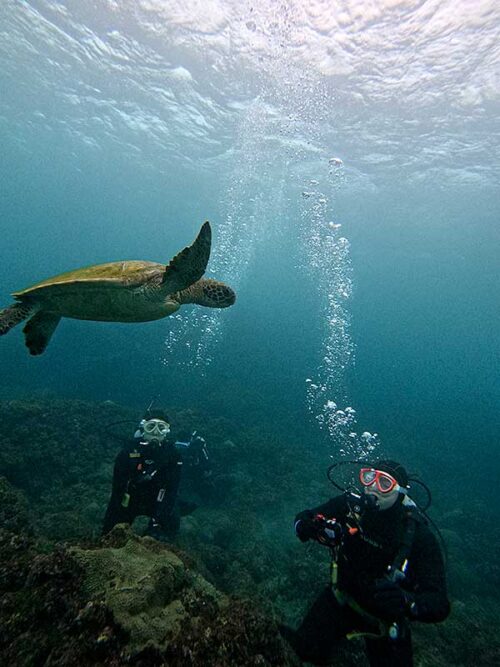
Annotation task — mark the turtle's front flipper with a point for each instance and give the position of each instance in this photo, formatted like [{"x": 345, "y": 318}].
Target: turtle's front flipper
[
  {"x": 39, "y": 329},
  {"x": 189, "y": 264},
  {"x": 13, "y": 315}
]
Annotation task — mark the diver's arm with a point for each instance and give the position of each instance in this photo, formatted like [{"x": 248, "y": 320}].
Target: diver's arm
[
  {"x": 203, "y": 464},
  {"x": 195, "y": 454},
  {"x": 431, "y": 603}
]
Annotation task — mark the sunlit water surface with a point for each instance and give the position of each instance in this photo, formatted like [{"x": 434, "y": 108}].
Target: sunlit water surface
[{"x": 279, "y": 106}]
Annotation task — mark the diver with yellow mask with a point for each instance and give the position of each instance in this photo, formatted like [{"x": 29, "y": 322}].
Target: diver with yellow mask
[{"x": 146, "y": 479}]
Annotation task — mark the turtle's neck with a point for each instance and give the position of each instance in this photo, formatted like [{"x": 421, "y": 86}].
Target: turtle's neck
[{"x": 189, "y": 295}]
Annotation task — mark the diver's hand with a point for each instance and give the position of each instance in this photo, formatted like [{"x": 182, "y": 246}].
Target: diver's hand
[
  {"x": 306, "y": 529},
  {"x": 325, "y": 531},
  {"x": 390, "y": 601}
]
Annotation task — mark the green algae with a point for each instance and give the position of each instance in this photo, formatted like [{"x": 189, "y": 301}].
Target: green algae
[{"x": 149, "y": 590}]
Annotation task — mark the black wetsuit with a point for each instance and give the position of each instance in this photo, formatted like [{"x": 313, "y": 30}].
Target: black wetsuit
[
  {"x": 363, "y": 557},
  {"x": 145, "y": 482}
]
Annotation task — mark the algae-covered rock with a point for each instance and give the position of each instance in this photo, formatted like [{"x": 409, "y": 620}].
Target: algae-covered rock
[
  {"x": 41, "y": 599},
  {"x": 127, "y": 600},
  {"x": 169, "y": 613},
  {"x": 146, "y": 586}
]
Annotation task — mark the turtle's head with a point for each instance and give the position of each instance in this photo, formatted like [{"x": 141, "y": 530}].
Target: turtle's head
[{"x": 207, "y": 292}]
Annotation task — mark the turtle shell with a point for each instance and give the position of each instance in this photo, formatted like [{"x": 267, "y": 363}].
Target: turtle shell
[
  {"x": 133, "y": 273},
  {"x": 183, "y": 270}
]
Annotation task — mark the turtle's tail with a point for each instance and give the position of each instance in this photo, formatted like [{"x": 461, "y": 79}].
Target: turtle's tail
[{"x": 13, "y": 315}]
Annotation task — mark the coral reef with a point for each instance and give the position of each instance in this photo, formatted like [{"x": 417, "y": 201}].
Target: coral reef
[
  {"x": 147, "y": 587},
  {"x": 41, "y": 599},
  {"x": 125, "y": 600}
]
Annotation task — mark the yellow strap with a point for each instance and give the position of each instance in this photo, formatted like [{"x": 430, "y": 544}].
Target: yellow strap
[
  {"x": 334, "y": 573},
  {"x": 343, "y": 599},
  {"x": 383, "y": 628},
  {"x": 371, "y": 635}
]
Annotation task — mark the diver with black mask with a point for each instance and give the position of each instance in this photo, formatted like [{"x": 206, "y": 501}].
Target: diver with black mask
[
  {"x": 386, "y": 570},
  {"x": 146, "y": 479}
]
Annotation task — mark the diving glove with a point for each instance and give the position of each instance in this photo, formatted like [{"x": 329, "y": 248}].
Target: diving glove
[
  {"x": 325, "y": 531},
  {"x": 390, "y": 601}
]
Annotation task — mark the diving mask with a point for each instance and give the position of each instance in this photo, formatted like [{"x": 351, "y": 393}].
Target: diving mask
[
  {"x": 154, "y": 429},
  {"x": 384, "y": 482}
]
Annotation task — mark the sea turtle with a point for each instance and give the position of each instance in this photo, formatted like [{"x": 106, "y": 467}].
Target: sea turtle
[{"x": 128, "y": 291}]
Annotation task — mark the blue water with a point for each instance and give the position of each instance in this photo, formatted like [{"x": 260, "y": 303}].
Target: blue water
[{"x": 125, "y": 125}]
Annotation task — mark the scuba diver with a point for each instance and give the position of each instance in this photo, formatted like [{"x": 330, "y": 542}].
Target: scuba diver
[
  {"x": 146, "y": 479},
  {"x": 386, "y": 570}
]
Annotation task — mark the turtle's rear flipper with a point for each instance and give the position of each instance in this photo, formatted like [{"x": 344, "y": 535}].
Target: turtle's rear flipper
[
  {"x": 38, "y": 331},
  {"x": 189, "y": 264},
  {"x": 13, "y": 315}
]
